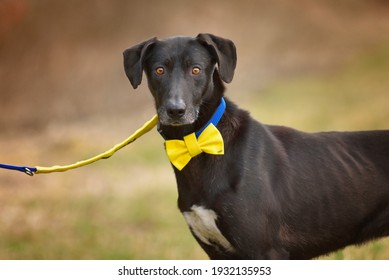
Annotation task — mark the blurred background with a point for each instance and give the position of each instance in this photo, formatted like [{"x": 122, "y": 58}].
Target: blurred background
[{"x": 313, "y": 65}]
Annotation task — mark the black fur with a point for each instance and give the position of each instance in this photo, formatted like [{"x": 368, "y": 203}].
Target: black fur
[{"x": 279, "y": 193}]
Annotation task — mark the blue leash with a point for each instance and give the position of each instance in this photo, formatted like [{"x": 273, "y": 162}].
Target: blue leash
[{"x": 25, "y": 169}]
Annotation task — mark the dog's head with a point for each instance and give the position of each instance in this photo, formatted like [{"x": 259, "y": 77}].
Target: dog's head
[{"x": 180, "y": 72}]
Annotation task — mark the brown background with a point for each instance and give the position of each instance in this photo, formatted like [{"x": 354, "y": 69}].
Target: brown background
[{"x": 314, "y": 65}]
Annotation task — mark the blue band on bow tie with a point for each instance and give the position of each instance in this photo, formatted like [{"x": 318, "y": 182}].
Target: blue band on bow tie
[{"x": 215, "y": 118}]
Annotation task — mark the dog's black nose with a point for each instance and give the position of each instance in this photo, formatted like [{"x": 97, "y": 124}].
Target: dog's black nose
[{"x": 176, "y": 110}]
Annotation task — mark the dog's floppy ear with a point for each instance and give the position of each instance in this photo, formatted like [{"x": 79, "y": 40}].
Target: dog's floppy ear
[
  {"x": 224, "y": 52},
  {"x": 133, "y": 61}
]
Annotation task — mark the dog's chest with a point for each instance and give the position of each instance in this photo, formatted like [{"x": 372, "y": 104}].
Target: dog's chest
[{"x": 202, "y": 222}]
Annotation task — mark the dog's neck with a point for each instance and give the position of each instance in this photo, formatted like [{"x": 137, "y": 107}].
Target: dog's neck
[{"x": 207, "y": 109}]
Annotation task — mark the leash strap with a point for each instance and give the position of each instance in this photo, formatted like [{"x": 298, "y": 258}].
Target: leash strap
[
  {"x": 107, "y": 154},
  {"x": 26, "y": 169}
]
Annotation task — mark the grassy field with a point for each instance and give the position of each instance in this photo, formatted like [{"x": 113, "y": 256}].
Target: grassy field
[{"x": 125, "y": 208}]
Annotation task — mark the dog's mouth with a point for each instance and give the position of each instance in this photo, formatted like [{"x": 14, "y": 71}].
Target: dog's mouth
[
  {"x": 174, "y": 122},
  {"x": 188, "y": 118}
]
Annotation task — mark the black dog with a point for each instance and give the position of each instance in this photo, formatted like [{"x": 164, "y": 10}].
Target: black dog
[{"x": 276, "y": 193}]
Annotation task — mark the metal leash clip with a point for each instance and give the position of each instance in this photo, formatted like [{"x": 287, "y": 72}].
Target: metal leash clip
[{"x": 28, "y": 171}]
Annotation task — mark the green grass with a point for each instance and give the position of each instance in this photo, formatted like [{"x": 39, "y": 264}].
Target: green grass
[
  {"x": 125, "y": 207},
  {"x": 139, "y": 225}
]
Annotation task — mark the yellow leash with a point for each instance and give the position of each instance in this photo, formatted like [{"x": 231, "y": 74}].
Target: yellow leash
[
  {"x": 61, "y": 168},
  {"x": 208, "y": 139},
  {"x": 107, "y": 154}
]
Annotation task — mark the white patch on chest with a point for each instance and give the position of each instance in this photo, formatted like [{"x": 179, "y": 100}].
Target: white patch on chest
[{"x": 203, "y": 224}]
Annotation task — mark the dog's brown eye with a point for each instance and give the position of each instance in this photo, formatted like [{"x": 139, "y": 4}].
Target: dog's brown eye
[
  {"x": 160, "y": 70},
  {"x": 196, "y": 70}
]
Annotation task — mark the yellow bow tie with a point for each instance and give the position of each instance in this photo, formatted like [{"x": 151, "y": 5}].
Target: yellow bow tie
[{"x": 180, "y": 152}]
